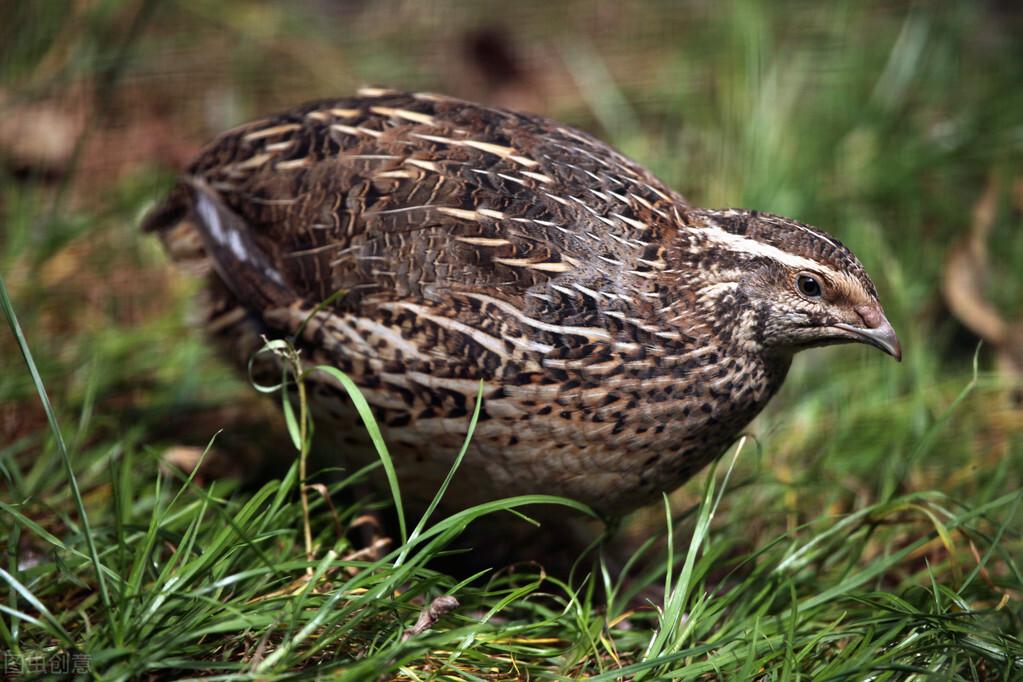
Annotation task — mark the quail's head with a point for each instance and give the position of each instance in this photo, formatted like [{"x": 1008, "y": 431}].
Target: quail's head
[{"x": 800, "y": 287}]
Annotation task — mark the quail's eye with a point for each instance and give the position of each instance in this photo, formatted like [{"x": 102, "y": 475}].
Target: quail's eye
[{"x": 809, "y": 286}]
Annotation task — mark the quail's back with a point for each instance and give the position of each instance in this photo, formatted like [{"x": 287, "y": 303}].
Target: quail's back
[{"x": 624, "y": 337}]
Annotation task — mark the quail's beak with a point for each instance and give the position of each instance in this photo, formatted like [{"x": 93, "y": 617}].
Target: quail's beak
[{"x": 876, "y": 330}]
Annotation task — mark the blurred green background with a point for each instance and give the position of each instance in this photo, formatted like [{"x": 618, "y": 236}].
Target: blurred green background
[{"x": 896, "y": 126}]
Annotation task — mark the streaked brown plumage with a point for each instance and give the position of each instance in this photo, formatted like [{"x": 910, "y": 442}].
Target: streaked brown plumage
[{"x": 624, "y": 337}]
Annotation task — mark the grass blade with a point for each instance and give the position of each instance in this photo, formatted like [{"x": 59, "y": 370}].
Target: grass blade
[
  {"x": 373, "y": 429},
  {"x": 51, "y": 417}
]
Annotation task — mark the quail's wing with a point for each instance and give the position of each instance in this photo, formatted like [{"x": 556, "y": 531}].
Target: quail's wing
[
  {"x": 450, "y": 210},
  {"x": 402, "y": 193}
]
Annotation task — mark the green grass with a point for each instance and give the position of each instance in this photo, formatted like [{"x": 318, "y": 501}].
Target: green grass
[{"x": 870, "y": 528}]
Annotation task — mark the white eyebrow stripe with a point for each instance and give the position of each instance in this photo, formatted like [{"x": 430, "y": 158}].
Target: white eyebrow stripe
[
  {"x": 774, "y": 220},
  {"x": 739, "y": 244}
]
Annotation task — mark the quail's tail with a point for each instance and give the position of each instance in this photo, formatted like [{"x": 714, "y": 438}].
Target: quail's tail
[{"x": 199, "y": 229}]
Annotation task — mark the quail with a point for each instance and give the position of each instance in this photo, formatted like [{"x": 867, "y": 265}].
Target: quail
[{"x": 424, "y": 244}]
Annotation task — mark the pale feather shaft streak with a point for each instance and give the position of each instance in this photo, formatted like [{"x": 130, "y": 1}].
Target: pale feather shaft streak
[
  {"x": 483, "y": 241},
  {"x": 270, "y": 132},
  {"x": 491, "y": 343},
  {"x": 593, "y": 333}
]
